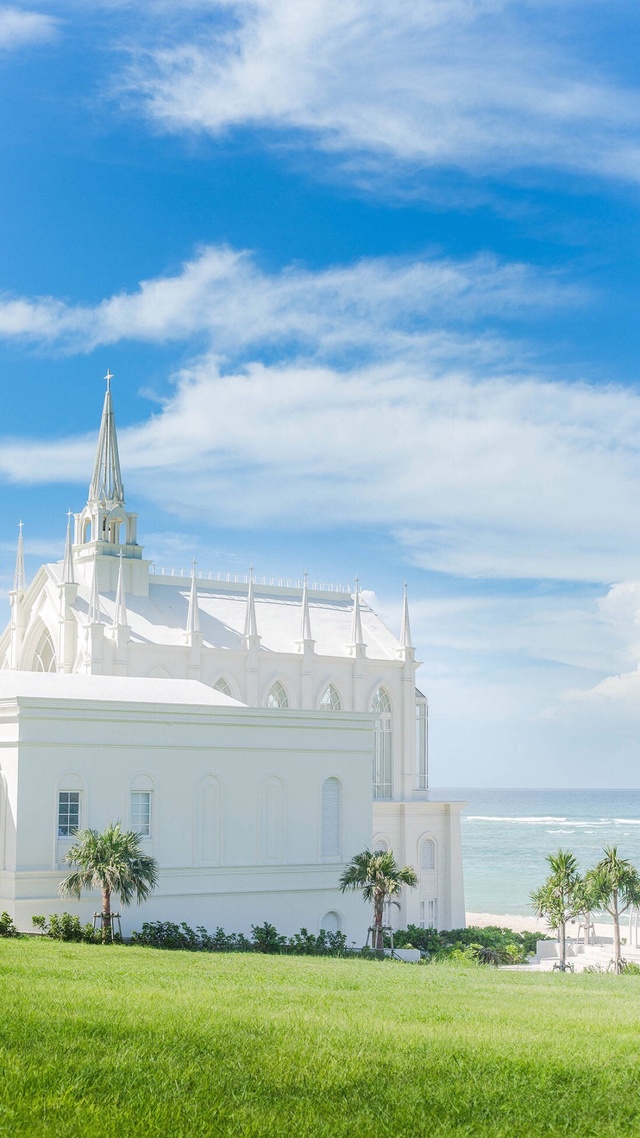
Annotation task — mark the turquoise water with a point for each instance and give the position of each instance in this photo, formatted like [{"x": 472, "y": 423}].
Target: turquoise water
[{"x": 506, "y": 834}]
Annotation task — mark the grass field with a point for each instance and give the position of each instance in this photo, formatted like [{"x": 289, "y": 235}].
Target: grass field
[{"x": 132, "y": 1041}]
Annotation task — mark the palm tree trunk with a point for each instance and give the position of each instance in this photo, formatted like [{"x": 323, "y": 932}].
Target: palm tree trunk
[
  {"x": 378, "y": 909},
  {"x": 617, "y": 953},
  {"x": 562, "y": 929},
  {"x": 106, "y": 914}
]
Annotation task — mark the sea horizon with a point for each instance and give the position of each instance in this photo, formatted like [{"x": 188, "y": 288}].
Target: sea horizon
[{"x": 508, "y": 831}]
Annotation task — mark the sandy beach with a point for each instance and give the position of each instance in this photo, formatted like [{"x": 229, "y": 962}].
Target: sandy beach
[{"x": 534, "y": 924}]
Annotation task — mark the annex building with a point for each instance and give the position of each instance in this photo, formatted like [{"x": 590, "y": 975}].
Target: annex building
[{"x": 256, "y": 733}]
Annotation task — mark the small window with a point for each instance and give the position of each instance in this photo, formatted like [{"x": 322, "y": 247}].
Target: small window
[
  {"x": 380, "y": 701},
  {"x": 45, "y": 658},
  {"x": 381, "y": 844},
  {"x": 141, "y": 812},
  {"x": 428, "y": 854},
  {"x": 428, "y": 914},
  {"x": 68, "y": 812},
  {"x": 221, "y": 685},
  {"x": 277, "y": 697},
  {"x": 331, "y": 700},
  {"x": 331, "y": 922}
]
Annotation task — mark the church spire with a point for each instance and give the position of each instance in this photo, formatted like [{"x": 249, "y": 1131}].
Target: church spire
[
  {"x": 19, "y": 581},
  {"x": 67, "y": 565},
  {"x": 120, "y": 610},
  {"x": 305, "y": 619},
  {"x": 94, "y": 598},
  {"x": 250, "y": 622},
  {"x": 193, "y": 615},
  {"x": 356, "y": 622},
  {"x": 405, "y": 630},
  {"x": 106, "y": 484}
]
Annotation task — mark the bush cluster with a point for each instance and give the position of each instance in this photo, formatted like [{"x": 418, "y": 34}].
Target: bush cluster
[
  {"x": 264, "y": 938},
  {"x": 65, "y": 926},
  {"x": 490, "y": 945},
  {"x": 7, "y": 927}
]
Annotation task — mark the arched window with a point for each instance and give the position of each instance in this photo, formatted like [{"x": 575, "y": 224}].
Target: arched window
[
  {"x": 209, "y": 821},
  {"x": 273, "y": 820},
  {"x": 428, "y": 854},
  {"x": 277, "y": 697},
  {"x": 114, "y": 530},
  {"x": 331, "y": 922},
  {"x": 221, "y": 685},
  {"x": 382, "y": 759},
  {"x": 45, "y": 656},
  {"x": 86, "y": 530},
  {"x": 331, "y": 818},
  {"x": 382, "y": 844},
  {"x": 331, "y": 700}
]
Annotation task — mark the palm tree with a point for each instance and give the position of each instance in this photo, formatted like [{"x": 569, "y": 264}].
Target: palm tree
[
  {"x": 113, "y": 862},
  {"x": 557, "y": 899},
  {"x": 380, "y": 878},
  {"x": 616, "y": 887}
]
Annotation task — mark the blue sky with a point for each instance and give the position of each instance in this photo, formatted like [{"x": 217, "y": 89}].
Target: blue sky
[{"x": 367, "y": 277}]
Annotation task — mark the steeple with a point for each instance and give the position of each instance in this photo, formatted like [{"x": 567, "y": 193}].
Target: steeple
[
  {"x": 120, "y": 610},
  {"x": 193, "y": 615},
  {"x": 405, "y": 630},
  {"x": 19, "y": 581},
  {"x": 67, "y": 565},
  {"x": 250, "y": 622},
  {"x": 356, "y": 622},
  {"x": 106, "y": 485},
  {"x": 305, "y": 619}
]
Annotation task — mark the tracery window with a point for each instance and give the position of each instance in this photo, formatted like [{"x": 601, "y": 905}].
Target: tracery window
[
  {"x": 277, "y": 697},
  {"x": 221, "y": 685},
  {"x": 382, "y": 759},
  {"x": 331, "y": 699},
  {"x": 45, "y": 656}
]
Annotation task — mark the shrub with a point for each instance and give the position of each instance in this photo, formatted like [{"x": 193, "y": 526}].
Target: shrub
[
  {"x": 7, "y": 927},
  {"x": 65, "y": 926},
  {"x": 264, "y": 938}
]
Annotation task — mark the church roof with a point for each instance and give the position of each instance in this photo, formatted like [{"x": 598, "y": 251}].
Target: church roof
[
  {"x": 116, "y": 689},
  {"x": 161, "y": 618}
]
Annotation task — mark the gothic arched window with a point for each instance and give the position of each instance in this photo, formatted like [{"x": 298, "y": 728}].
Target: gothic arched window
[
  {"x": 331, "y": 922},
  {"x": 45, "y": 655},
  {"x": 428, "y": 854},
  {"x": 277, "y": 697},
  {"x": 331, "y": 818},
  {"x": 382, "y": 759},
  {"x": 221, "y": 685},
  {"x": 331, "y": 699}
]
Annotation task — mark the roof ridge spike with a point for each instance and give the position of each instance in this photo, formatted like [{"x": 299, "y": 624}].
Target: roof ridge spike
[
  {"x": 305, "y": 618},
  {"x": 106, "y": 483},
  {"x": 250, "y": 622},
  {"x": 67, "y": 565},
  {"x": 405, "y": 629},
  {"x": 356, "y": 623},
  {"x": 193, "y": 615},
  {"x": 94, "y": 598},
  {"x": 19, "y": 580},
  {"x": 120, "y": 610}
]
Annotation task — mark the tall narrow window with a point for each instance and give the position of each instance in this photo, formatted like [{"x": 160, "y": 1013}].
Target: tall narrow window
[
  {"x": 331, "y": 699},
  {"x": 427, "y": 854},
  {"x": 277, "y": 697},
  {"x": 382, "y": 759},
  {"x": 422, "y": 742},
  {"x": 273, "y": 820},
  {"x": 331, "y": 818},
  {"x": 209, "y": 811},
  {"x": 222, "y": 686},
  {"x": 68, "y": 812},
  {"x": 140, "y": 812}
]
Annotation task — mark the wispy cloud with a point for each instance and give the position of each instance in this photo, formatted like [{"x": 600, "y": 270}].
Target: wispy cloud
[
  {"x": 377, "y": 305},
  {"x": 19, "y": 27},
  {"x": 488, "y": 86}
]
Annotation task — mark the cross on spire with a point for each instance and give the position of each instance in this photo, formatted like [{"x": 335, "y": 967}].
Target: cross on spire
[
  {"x": 108, "y": 377},
  {"x": 106, "y": 484}
]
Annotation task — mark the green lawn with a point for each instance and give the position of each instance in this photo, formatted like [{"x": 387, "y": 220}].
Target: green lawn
[{"x": 132, "y": 1041}]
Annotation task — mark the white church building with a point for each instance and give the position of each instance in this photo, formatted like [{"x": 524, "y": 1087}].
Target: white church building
[{"x": 256, "y": 733}]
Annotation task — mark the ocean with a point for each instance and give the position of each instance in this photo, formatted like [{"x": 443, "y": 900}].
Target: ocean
[{"x": 507, "y": 833}]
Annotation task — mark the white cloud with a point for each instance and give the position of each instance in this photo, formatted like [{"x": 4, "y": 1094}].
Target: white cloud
[
  {"x": 384, "y": 306},
  {"x": 486, "y": 86},
  {"x": 19, "y": 27}
]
